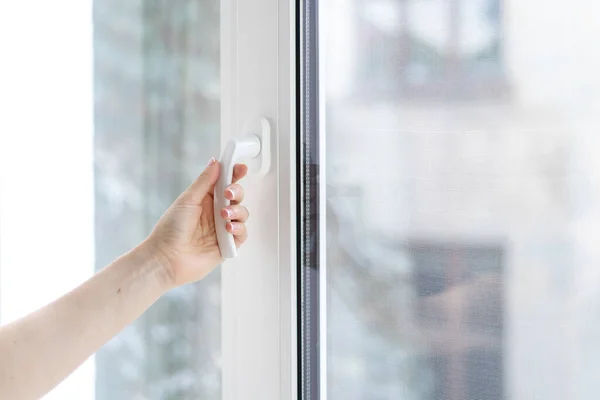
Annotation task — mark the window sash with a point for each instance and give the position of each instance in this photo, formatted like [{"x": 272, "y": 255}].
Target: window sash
[{"x": 258, "y": 64}]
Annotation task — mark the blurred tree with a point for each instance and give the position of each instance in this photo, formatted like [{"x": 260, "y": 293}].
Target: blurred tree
[{"x": 156, "y": 72}]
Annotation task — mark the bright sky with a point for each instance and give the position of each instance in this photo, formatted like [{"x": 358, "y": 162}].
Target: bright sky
[{"x": 46, "y": 160}]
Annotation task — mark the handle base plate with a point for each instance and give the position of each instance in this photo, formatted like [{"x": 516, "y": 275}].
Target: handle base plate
[{"x": 262, "y": 129}]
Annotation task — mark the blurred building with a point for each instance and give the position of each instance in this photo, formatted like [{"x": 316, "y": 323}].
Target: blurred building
[{"x": 463, "y": 199}]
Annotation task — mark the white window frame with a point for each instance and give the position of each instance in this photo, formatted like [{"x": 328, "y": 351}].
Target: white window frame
[{"x": 258, "y": 78}]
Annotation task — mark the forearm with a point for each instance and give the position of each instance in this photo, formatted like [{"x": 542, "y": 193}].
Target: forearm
[{"x": 41, "y": 349}]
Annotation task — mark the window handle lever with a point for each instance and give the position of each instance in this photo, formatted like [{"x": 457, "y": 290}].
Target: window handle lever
[{"x": 253, "y": 149}]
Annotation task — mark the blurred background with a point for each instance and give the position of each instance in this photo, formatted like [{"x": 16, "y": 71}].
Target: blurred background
[
  {"x": 463, "y": 189},
  {"x": 463, "y": 199},
  {"x": 156, "y": 113}
]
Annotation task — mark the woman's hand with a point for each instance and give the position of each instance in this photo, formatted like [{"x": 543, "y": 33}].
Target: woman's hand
[
  {"x": 41, "y": 349},
  {"x": 184, "y": 240}
]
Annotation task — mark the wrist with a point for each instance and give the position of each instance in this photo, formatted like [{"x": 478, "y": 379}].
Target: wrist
[{"x": 151, "y": 256}]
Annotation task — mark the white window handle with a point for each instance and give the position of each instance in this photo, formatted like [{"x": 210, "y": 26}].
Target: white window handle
[{"x": 254, "y": 150}]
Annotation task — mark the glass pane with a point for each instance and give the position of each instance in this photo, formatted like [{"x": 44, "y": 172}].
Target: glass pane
[
  {"x": 156, "y": 76},
  {"x": 462, "y": 199}
]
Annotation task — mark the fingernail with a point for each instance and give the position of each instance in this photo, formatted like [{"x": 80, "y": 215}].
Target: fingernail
[
  {"x": 230, "y": 194},
  {"x": 228, "y": 212},
  {"x": 211, "y": 162},
  {"x": 231, "y": 226}
]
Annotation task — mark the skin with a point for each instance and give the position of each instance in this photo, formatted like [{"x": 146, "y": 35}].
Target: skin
[{"x": 38, "y": 351}]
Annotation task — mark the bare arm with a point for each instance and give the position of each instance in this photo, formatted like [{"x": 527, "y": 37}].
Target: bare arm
[{"x": 38, "y": 351}]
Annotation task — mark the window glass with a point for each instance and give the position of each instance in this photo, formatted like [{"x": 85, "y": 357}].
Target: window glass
[
  {"x": 156, "y": 105},
  {"x": 462, "y": 199}
]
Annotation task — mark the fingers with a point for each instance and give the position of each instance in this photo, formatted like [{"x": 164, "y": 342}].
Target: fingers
[
  {"x": 203, "y": 184},
  {"x": 235, "y": 213},
  {"x": 238, "y": 230},
  {"x": 239, "y": 171},
  {"x": 235, "y": 193}
]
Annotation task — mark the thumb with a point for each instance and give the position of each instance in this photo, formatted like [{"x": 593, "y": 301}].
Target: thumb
[{"x": 203, "y": 184}]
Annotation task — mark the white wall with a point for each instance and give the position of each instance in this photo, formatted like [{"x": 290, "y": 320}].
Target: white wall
[{"x": 46, "y": 163}]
